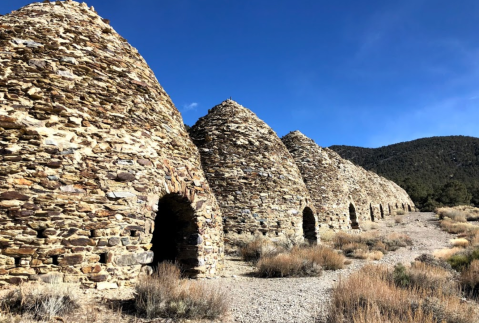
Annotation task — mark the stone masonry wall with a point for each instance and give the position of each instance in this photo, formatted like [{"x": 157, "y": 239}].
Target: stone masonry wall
[
  {"x": 89, "y": 143},
  {"x": 335, "y": 184},
  {"x": 255, "y": 179}
]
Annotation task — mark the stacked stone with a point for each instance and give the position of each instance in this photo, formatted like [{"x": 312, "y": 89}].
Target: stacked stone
[
  {"x": 256, "y": 181},
  {"x": 335, "y": 184},
  {"x": 89, "y": 143}
]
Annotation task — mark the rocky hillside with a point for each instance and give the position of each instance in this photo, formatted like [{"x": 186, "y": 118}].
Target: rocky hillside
[{"x": 434, "y": 171}]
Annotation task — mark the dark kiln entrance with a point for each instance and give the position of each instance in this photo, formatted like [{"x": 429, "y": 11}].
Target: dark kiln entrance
[
  {"x": 309, "y": 226},
  {"x": 352, "y": 217},
  {"x": 176, "y": 236}
]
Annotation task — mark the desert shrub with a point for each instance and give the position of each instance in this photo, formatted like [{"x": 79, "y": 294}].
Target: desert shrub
[
  {"x": 459, "y": 261},
  {"x": 400, "y": 212},
  {"x": 375, "y": 255},
  {"x": 350, "y": 248},
  {"x": 369, "y": 225},
  {"x": 370, "y": 295},
  {"x": 326, "y": 257},
  {"x": 433, "y": 261},
  {"x": 475, "y": 239},
  {"x": 287, "y": 265},
  {"x": 422, "y": 275},
  {"x": 380, "y": 246},
  {"x": 341, "y": 239},
  {"x": 463, "y": 259},
  {"x": 460, "y": 243},
  {"x": 446, "y": 253},
  {"x": 394, "y": 241},
  {"x": 164, "y": 294},
  {"x": 401, "y": 276},
  {"x": 451, "y": 213},
  {"x": 365, "y": 245},
  {"x": 469, "y": 279},
  {"x": 398, "y": 219},
  {"x": 327, "y": 235},
  {"x": 41, "y": 301},
  {"x": 257, "y": 248},
  {"x": 300, "y": 261},
  {"x": 460, "y": 213}
]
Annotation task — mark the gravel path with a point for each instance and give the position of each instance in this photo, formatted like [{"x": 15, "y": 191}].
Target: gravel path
[{"x": 301, "y": 299}]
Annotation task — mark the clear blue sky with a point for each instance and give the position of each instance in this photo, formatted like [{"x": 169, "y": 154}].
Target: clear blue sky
[{"x": 364, "y": 73}]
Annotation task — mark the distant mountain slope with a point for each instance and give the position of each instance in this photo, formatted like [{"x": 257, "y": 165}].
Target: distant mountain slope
[{"x": 430, "y": 169}]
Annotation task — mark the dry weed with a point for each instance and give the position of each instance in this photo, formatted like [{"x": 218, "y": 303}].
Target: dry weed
[
  {"x": 398, "y": 219},
  {"x": 370, "y": 296},
  {"x": 164, "y": 294},
  {"x": 287, "y": 265},
  {"x": 470, "y": 279},
  {"x": 460, "y": 242},
  {"x": 300, "y": 261},
  {"x": 460, "y": 213},
  {"x": 446, "y": 253},
  {"x": 360, "y": 245},
  {"x": 257, "y": 248},
  {"x": 369, "y": 225},
  {"x": 41, "y": 301},
  {"x": 475, "y": 239}
]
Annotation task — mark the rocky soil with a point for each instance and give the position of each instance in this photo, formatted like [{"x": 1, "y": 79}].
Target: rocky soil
[
  {"x": 279, "y": 299},
  {"x": 302, "y": 299}
]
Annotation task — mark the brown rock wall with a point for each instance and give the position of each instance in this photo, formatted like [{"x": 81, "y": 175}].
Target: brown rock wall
[
  {"x": 255, "y": 179},
  {"x": 91, "y": 146},
  {"x": 344, "y": 194}
]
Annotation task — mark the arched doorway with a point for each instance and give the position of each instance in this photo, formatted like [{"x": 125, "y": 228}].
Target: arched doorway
[
  {"x": 371, "y": 212},
  {"x": 409, "y": 208},
  {"x": 381, "y": 210},
  {"x": 389, "y": 208},
  {"x": 352, "y": 217},
  {"x": 309, "y": 226},
  {"x": 175, "y": 235},
  {"x": 403, "y": 207}
]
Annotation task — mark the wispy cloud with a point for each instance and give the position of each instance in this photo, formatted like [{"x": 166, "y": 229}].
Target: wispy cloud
[{"x": 190, "y": 106}]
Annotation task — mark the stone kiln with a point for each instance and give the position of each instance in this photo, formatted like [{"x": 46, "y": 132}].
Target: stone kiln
[
  {"x": 98, "y": 176},
  {"x": 256, "y": 181},
  {"x": 344, "y": 194}
]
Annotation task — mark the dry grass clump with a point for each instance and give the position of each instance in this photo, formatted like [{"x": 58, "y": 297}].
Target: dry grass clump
[
  {"x": 255, "y": 249},
  {"x": 459, "y": 227},
  {"x": 425, "y": 276},
  {"x": 368, "y": 225},
  {"x": 374, "y": 295},
  {"x": 370, "y": 245},
  {"x": 463, "y": 259},
  {"x": 165, "y": 295},
  {"x": 446, "y": 253},
  {"x": 41, "y": 301},
  {"x": 469, "y": 279},
  {"x": 475, "y": 239},
  {"x": 460, "y": 213},
  {"x": 300, "y": 261},
  {"x": 454, "y": 214},
  {"x": 398, "y": 219},
  {"x": 287, "y": 265},
  {"x": 327, "y": 235},
  {"x": 400, "y": 212},
  {"x": 460, "y": 242}
]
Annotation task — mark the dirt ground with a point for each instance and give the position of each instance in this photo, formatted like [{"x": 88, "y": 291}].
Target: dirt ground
[{"x": 290, "y": 300}]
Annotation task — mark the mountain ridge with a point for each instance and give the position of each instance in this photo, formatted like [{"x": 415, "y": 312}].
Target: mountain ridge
[{"x": 423, "y": 167}]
